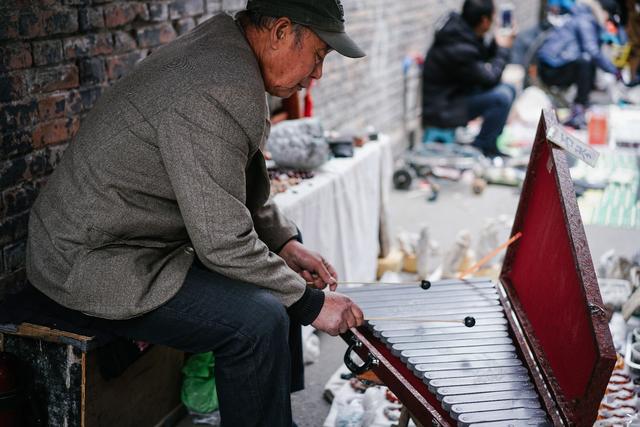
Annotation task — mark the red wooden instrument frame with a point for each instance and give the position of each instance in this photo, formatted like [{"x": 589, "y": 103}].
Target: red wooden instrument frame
[{"x": 416, "y": 396}]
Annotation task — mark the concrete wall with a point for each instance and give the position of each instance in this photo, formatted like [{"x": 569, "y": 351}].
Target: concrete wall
[{"x": 58, "y": 56}]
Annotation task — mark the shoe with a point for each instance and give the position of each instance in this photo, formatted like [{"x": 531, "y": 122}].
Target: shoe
[
  {"x": 492, "y": 152},
  {"x": 577, "y": 119}
]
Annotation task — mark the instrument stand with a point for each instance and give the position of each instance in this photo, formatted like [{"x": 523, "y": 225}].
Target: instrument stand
[{"x": 405, "y": 417}]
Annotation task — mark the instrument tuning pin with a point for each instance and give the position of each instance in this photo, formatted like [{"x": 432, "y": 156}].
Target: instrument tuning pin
[{"x": 425, "y": 284}]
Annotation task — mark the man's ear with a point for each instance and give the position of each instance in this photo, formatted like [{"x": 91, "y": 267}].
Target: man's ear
[{"x": 279, "y": 32}]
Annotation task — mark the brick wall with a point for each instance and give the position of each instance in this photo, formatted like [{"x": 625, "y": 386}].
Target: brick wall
[{"x": 58, "y": 56}]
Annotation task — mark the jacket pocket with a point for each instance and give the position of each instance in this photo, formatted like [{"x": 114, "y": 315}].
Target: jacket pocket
[{"x": 98, "y": 238}]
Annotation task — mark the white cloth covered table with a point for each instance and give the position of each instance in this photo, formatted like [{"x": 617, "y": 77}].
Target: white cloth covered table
[{"x": 338, "y": 211}]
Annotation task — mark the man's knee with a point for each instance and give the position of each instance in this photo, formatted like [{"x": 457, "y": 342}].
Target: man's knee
[
  {"x": 503, "y": 95},
  {"x": 268, "y": 316}
]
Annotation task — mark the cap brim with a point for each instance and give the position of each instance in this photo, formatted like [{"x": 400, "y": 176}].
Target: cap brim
[{"x": 341, "y": 43}]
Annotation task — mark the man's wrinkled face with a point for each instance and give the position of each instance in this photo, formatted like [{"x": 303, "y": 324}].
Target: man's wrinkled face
[{"x": 295, "y": 63}]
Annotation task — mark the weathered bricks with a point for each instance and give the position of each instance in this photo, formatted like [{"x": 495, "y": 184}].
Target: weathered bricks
[
  {"x": 19, "y": 199},
  {"x": 123, "y": 41},
  {"x": 13, "y": 228},
  {"x": 213, "y": 6},
  {"x": 52, "y": 106},
  {"x": 18, "y": 115},
  {"x": 91, "y": 18},
  {"x": 89, "y": 45},
  {"x": 14, "y": 254},
  {"x": 184, "y": 25},
  {"x": 92, "y": 71},
  {"x": 14, "y": 56},
  {"x": 25, "y": 168},
  {"x": 15, "y": 142},
  {"x": 59, "y": 77},
  {"x": 9, "y": 26},
  {"x": 47, "y": 52},
  {"x": 119, "y": 14},
  {"x": 158, "y": 11},
  {"x": 55, "y": 131},
  {"x": 185, "y": 8},
  {"x": 65, "y": 21},
  {"x": 155, "y": 35},
  {"x": 119, "y": 65}
]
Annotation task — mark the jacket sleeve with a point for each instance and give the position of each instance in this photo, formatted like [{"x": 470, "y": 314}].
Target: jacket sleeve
[
  {"x": 590, "y": 46},
  {"x": 205, "y": 152},
  {"x": 479, "y": 72},
  {"x": 273, "y": 227}
]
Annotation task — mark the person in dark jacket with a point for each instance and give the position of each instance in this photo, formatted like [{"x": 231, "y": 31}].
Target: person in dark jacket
[
  {"x": 571, "y": 53},
  {"x": 461, "y": 75}
]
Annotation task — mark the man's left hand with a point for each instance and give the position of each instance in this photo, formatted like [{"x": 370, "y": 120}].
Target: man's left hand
[{"x": 310, "y": 265}]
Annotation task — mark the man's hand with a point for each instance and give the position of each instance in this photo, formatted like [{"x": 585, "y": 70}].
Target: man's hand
[
  {"x": 505, "y": 38},
  {"x": 338, "y": 314},
  {"x": 310, "y": 265}
]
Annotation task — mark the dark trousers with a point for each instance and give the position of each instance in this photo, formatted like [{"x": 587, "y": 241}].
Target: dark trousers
[
  {"x": 493, "y": 106},
  {"x": 248, "y": 331},
  {"x": 581, "y": 72}
]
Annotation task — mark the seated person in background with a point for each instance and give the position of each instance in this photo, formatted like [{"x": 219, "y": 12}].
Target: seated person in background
[
  {"x": 571, "y": 53},
  {"x": 461, "y": 75}
]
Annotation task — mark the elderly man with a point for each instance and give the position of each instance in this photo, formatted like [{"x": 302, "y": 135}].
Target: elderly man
[{"x": 156, "y": 223}]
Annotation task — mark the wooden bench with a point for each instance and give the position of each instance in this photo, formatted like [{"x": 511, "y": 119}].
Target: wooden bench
[{"x": 64, "y": 380}]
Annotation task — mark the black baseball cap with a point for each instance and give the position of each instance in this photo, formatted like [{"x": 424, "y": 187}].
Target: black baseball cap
[{"x": 324, "y": 17}]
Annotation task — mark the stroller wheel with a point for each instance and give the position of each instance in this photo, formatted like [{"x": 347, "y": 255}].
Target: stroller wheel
[{"x": 402, "y": 179}]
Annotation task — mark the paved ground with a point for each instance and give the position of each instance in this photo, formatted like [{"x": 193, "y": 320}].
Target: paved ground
[{"x": 456, "y": 208}]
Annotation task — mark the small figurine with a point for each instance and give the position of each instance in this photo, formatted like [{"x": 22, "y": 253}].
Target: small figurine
[{"x": 459, "y": 257}]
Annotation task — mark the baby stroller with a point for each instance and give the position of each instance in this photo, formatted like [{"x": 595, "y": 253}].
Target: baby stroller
[{"x": 437, "y": 161}]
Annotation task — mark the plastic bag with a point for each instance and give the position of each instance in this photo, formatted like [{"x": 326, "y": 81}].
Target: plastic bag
[
  {"x": 199, "y": 386},
  {"x": 298, "y": 144}
]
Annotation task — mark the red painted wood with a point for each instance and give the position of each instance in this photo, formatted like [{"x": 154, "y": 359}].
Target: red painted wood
[
  {"x": 411, "y": 391},
  {"x": 550, "y": 281},
  {"x": 552, "y": 296}
]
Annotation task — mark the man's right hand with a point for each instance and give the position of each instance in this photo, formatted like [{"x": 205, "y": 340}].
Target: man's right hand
[
  {"x": 505, "y": 38},
  {"x": 338, "y": 314}
]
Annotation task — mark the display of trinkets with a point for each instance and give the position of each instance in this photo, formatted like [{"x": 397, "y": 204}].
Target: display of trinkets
[
  {"x": 283, "y": 179},
  {"x": 620, "y": 402}
]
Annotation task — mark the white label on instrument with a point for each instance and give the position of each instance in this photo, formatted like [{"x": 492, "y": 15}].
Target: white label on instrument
[
  {"x": 550, "y": 117},
  {"x": 573, "y": 145}
]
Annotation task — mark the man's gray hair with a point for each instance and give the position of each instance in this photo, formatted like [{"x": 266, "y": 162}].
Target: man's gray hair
[{"x": 263, "y": 22}]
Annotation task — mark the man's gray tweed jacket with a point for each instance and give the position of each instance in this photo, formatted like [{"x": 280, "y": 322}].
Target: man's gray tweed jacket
[{"x": 167, "y": 162}]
